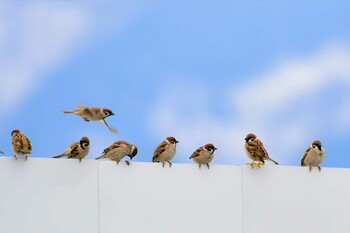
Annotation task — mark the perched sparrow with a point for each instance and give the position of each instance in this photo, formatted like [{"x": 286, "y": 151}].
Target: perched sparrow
[
  {"x": 256, "y": 150},
  {"x": 119, "y": 150},
  {"x": 20, "y": 144},
  {"x": 93, "y": 114},
  {"x": 313, "y": 155},
  {"x": 77, "y": 150},
  {"x": 165, "y": 151},
  {"x": 204, "y": 155}
]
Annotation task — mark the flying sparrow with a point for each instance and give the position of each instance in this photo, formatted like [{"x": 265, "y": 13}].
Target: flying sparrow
[
  {"x": 204, "y": 155},
  {"x": 165, "y": 151},
  {"x": 119, "y": 150},
  {"x": 77, "y": 150},
  {"x": 256, "y": 150},
  {"x": 313, "y": 156},
  {"x": 93, "y": 114},
  {"x": 20, "y": 144}
]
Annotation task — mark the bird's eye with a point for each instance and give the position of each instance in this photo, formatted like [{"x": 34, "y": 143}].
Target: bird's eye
[{"x": 313, "y": 146}]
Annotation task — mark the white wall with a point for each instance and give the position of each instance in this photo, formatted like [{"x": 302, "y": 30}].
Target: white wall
[{"x": 59, "y": 195}]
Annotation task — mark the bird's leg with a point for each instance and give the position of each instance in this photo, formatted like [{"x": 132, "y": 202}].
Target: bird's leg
[
  {"x": 170, "y": 164},
  {"x": 208, "y": 165},
  {"x": 15, "y": 156},
  {"x": 79, "y": 160},
  {"x": 319, "y": 168},
  {"x": 163, "y": 163},
  {"x": 127, "y": 162},
  {"x": 310, "y": 168},
  {"x": 199, "y": 165},
  {"x": 26, "y": 157},
  {"x": 118, "y": 162}
]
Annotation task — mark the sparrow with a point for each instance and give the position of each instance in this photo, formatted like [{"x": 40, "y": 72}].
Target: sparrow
[
  {"x": 204, "y": 155},
  {"x": 20, "y": 144},
  {"x": 77, "y": 150},
  {"x": 313, "y": 156},
  {"x": 93, "y": 114},
  {"x": 119, "y": 150},
  {"x": 256, "y": 150},
  {"x": 165, "y": 151}
]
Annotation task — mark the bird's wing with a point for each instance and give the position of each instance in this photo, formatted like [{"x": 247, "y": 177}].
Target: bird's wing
[
  {"x": 159, "y": 150},
  {"x": 73, "y": 150},
  {"x": 196, "y": 153},
  {"x": 304, "y": 156},
  {"x": 258, "y": 150}
]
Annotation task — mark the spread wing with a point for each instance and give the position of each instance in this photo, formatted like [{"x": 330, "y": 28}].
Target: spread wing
[
  {"x": 158, "y": 151},
  {"x": 304, "y": 156}
]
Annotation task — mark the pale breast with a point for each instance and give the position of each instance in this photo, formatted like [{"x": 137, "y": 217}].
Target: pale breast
[
  {"x": 315, "y": 157},
  {"x": 168, "y": 154},
  {"x": 204, "y": 158}
]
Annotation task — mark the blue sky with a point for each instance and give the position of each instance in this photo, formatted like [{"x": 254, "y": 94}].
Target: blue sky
[{"x": 202, "y": 71}]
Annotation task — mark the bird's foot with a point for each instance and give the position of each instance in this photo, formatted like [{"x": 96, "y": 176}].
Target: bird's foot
[
  {"x": 319, "y": 168},
  {"x": 163, "y": 164},
  {"x": 170, "y": 164},
  {"x": 256, "y": 164},
  {"x": 127, "y": 162},
  {"x": 15, "y": 157},
  {"x": 208, "y": 165}
]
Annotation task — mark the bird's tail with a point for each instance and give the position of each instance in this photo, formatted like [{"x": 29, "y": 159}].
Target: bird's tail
[
  {"x": 69, "y": 111},
  {"x": 58, "y": 156},
  {"x": 100, "y": 157},
  {"x": 273, "y": 161}
]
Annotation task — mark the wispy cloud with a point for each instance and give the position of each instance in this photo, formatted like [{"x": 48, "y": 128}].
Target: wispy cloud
[
  {"x": 283, "y": 106},
  {"x": 38, "y": 37}
]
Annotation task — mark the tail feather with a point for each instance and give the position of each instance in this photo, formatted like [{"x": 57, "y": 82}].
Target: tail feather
[
  {"x": 69, "y": 111},
  {"x": 100, "y": 157},
  {"x": 274, "y": 161},
  {"x": 58, "y": 156}
]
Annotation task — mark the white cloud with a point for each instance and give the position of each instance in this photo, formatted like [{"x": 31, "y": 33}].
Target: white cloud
[
  {"x": 37, "y": 37},
  {"x": 283, "y": 106}
]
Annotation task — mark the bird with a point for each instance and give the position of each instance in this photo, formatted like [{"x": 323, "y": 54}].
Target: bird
[
  {"x": 118, "y": 150},
  {"x": 256, "y": 150},
  {"x": 93, "y": 114},
  {"x": 313, "y": 156},
  {"x": 77, "y": 150},
  {"x": 204, "y": 155},
  {"x": 21, "y": 144},
  {"x": 165, "y": 151},
  {"x": 1, "y": 152}
]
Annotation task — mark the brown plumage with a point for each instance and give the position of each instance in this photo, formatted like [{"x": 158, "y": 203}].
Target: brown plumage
[
  {"x": 93, "y": 114},
  {"x": 313, "y": 156},
  {"x": 204, "y": 155},
  {"x": 165, "y": 151},
  {"x": 77, "y": 150},
  {"x": 256, "y": 150},
  {"x": 118, "y": 150},
  {"x": 21, "y": 145}
]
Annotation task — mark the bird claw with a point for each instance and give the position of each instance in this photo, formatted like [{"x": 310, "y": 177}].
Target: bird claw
[{"x": 256, "y": 164}]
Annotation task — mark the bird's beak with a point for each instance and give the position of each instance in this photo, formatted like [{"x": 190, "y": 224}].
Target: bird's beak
[
  {"x": 112, "y": 114},
  {"x": 131, "y": 158},
  {"x": 319, "y": 147},
  {"x": 176, "y": 141},
  {"x": 215, "y": 148},
  {"x": 246, "y": 139}
]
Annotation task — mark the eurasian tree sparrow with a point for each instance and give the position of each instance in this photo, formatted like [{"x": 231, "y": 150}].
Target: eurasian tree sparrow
[
  {"x": 165, "y": 151},
  {"x": 204, "y": 155},
  {"x": 313, "y": 156},
  {"x": 118, "y": 150},
  {"x": 20, "y": 144},
  {"x": 93, "y": 114},
  {"x": 77, "y": 150},
  {"x": 256, "y": 150}
]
